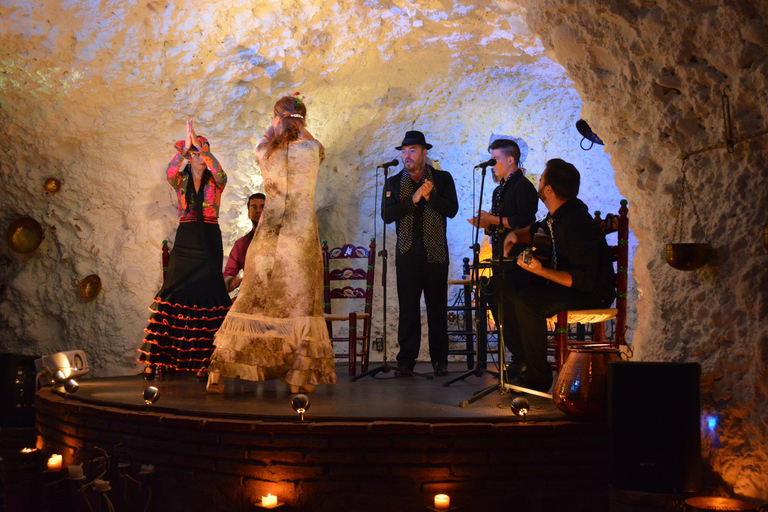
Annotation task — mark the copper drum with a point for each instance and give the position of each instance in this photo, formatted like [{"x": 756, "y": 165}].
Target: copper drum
[
  {"x": 89, "y": 287},
  {"x": 52, "y": 185},
  {"x": 24, "y": 235},
  {"x": 702, "y": 503},
  {"x": 581, "y": 389}
]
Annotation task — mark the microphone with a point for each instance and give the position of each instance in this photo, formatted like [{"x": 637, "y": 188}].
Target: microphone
[
  {"x": 393, "y": 162},
  {"x": 489, "y": 163}
]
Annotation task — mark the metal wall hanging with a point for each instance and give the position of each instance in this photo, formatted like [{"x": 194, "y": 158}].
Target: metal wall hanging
[
  {"x": 691, "y": 256},
  {"x": 24, "y": 235}
]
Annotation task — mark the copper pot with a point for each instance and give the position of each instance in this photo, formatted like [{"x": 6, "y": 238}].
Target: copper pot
[
  {"x": 581, "y": 388},
  {"x": 24, "y": 235},
  {"x": 687, "y": 256},
  {"x": 704, "y": 503},
  {"x": 89, "y": 287}
]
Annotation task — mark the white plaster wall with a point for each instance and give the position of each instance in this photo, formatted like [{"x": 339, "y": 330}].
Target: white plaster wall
[{"x": 652, "y": 76}]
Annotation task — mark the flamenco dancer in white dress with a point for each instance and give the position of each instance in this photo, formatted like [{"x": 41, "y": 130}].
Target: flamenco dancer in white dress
[{"x": 276, "y": 329}]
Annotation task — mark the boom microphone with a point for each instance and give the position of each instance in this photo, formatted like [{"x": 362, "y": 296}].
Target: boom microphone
[
  {"x": 390, "y": 164},
  {"x": 489, "y": 163}
]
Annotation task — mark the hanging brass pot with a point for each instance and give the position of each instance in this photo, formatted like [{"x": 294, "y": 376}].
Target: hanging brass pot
[
  {"x": 24, "y": 235},
  {"x": 52, "y": 185},
  {"x": 89, "y": 287},
  {"x": 688, "y": 256}
]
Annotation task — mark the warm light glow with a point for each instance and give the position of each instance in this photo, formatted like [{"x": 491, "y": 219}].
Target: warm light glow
[
  {"x": 28, "y": 450},
  {"x": 269, "y": 501},
  {"x": 54, "y": 463},
  {"x": 442, "y": 502}
]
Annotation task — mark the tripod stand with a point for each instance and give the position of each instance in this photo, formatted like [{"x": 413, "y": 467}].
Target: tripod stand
[{"x": 384, "y": 368}]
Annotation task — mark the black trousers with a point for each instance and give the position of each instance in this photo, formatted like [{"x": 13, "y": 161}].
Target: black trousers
[
  {"x": 498, "y": 291},
  {"x": 530, "y": 309},
  {"x": 413, "y": 278}
]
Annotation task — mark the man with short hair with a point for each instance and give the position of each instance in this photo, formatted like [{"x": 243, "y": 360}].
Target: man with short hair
[
  {"x": 419, "y": 199},
  {"x": 236, "y": 260},
  {"x": 513, "y": 206},
  {"x": 580, "y": 275}
]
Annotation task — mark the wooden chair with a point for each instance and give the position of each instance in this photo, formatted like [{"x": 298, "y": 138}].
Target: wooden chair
[
  {"x": 597, "y": 317},
  {"x": 358, "y": 343}
]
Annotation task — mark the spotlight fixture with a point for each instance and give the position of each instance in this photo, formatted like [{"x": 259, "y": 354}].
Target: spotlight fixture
[
  {"x": 60, "y": 377},
  {"x": 151, "y": 394},
  {"x": 520, "y": 406},
  {"x": 300, "y": 404},
  {"x": 71, "y": 386}
]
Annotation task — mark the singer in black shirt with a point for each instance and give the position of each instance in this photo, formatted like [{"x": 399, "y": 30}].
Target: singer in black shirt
[
  {"x": 420, "y": 199},
  {"x": 513, "y": 206}
]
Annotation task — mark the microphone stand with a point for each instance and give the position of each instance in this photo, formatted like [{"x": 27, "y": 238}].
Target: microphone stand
[
  {"x": 481, "y": 311},
  {"x": 384, "y": 368}
]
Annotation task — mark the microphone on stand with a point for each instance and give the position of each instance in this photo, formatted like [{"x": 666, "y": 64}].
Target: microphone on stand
[
  {"x": 391, "y": 163},
  {"x": 489, "y": 163}
]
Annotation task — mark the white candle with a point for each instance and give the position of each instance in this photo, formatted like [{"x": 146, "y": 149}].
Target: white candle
[
  {"x": 269, "y": 501},
  {"x": 442, "y": 502},
  {"x": 54, "y": 463},
  {"x": 147, "y": 468},
  {"x": 101, "y": 485}
]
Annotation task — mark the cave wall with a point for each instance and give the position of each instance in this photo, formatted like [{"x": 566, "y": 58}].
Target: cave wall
[
  {"x": 652, "y": 76},
  {"x": 96, "y": 93}
]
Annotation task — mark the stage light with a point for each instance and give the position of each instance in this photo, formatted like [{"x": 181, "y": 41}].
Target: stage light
[
  {"x": 520, "y": 406},
  {"x": 59, "y": 377},
  {"x": 300, "y": 404},
  {"x": 71, "y": 364},
  {"x": 151, "y": 395},
  {"x": 71, "y": 386}
]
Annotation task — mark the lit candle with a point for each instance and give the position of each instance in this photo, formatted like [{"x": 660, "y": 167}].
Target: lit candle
[
  {"x": 442, "y": 502},
  {"x": 269, "y": 501},
  {"x": 54, "y": 463},
  {"x": 28, "y": 450}
]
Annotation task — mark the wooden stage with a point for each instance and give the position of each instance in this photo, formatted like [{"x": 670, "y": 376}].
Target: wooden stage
[{"x": 383, "y": 443}]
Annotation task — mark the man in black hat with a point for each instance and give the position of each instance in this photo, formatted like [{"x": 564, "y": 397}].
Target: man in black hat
[{"x": 419, "y": 199}]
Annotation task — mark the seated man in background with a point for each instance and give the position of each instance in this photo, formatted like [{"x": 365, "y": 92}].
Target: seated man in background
[
  {"x": 580, "y": 274},
  {"x": 236, "y": 259}
]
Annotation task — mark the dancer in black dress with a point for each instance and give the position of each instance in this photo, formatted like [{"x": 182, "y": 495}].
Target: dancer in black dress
[{"x": 193, "y": 301}]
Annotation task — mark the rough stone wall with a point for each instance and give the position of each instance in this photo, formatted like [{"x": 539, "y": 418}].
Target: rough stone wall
[
  {"x": 652, "y": 76},
  {"x": 95, "y": 93}
]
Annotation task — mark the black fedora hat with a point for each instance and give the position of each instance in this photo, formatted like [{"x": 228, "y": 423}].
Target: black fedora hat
[{"x": 413, "y": 138}]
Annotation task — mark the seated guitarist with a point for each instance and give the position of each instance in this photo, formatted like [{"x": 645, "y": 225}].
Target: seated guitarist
[
  {"x": 513, "y": 206},
  {"x": 580, "y": 276}
]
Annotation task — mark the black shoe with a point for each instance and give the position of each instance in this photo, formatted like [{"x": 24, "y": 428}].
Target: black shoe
[
  {"x": 441, "y": 369},
  {"x": 514, "y": 371},
  {"x": 403, "y": 371}
]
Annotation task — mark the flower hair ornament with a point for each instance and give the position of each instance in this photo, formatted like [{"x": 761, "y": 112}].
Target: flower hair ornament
[{"x": 298, "y": 99}]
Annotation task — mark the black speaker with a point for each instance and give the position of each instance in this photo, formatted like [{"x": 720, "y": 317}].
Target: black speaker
[
  {"x": 17, "y": 390},
  {"x": 653, "y": 416}
]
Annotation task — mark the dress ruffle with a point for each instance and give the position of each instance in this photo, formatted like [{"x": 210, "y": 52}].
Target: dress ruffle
[{"x": 257, "y": 348}]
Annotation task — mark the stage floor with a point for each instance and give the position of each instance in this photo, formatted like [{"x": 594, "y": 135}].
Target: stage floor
[{"x": 383, "y": 397}]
